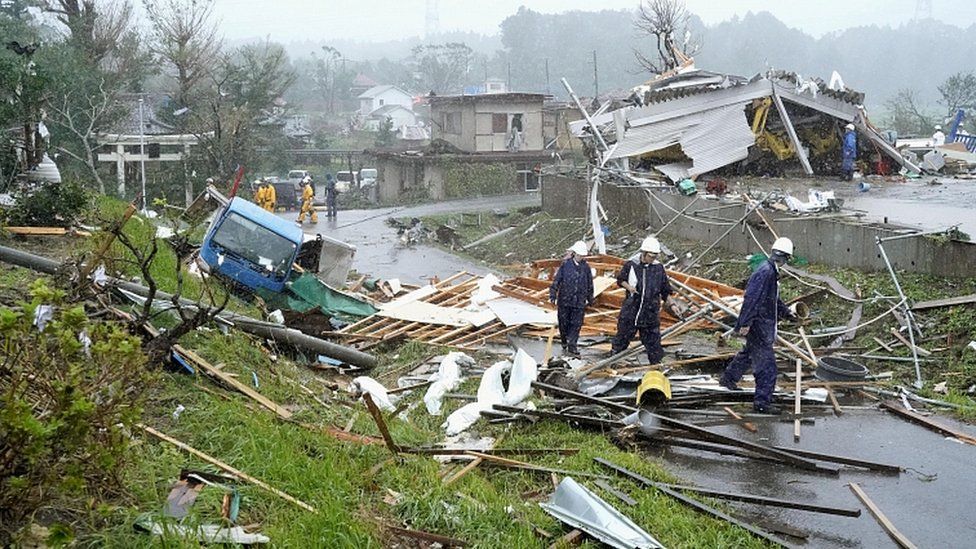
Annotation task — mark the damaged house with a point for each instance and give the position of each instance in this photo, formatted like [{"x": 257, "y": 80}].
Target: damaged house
[
  {"x": 695, "y": 122},
  {"x": 480, "y": 145}
]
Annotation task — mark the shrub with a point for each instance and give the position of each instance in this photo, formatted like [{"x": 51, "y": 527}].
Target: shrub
[
  {"x": 50, "y": 205},
  {"x": 66, "y": 394}
]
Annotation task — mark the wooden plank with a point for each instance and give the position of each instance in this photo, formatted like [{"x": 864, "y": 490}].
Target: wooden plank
[
  {"x": 745, "y": 424},
  {"x": 931, "y": 424},
  {"x": 426, "y": 536},
  {"x": 226, "y": 468},
  {"x": 833, "y": 401},
  {"x": 229, "y": 380},
  {"x": 573, "y": 537},
  {"x": 899, "y": 538},
  {"x": 781, "y": 455},
  {"x": 464, "y": 470},
  {"x": 380, "y": 423},
  {"x": 698, "y": 506},
  {"x": 883, "y": 345},
  {"x": 919, "y": 350},
  {"x": 548, "y": 353},
  {"x": 796, "y": 401},
  {"x": 622, "y": 496},
  {"x": 37, "y": 231},
  {"x": 948, "y": 302}
]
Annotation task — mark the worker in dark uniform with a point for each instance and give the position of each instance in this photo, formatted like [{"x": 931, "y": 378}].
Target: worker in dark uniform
[
  {"x": 572, "y": 291},
  {"x": 848, "y": 153},
  {"x": 331, "y": 196},
  {"x": 647, "y": 288},
  {"x": 757, "y": 323}
]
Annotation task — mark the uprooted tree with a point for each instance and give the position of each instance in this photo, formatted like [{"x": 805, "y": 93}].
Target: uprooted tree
[{"x": 667, "y": 21}]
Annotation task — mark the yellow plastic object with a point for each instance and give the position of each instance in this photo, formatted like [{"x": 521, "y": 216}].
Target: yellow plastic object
[{"x": 654, "y": 381}]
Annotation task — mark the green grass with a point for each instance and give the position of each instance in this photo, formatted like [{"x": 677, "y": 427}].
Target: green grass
[{"x": 335, "y": 476}]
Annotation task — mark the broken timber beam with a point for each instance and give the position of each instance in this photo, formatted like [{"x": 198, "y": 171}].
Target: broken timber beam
[
  {"x": 782, "y": 456},
  {"x": 931, "y": 424},
  {"x": 899, "y": 538},
  {"x": 426, "y": 536},
  {"x": 226, "y": 468},
  {"x": 763, "y": 500},
  {"x": 698, "y": 506}
]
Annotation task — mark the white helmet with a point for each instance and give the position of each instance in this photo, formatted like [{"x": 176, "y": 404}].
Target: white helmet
[
  {"x": 938, "y": 126},
  {"x": 579, "y": 248},
  {"x": 849, "y": 127},
  {"x": 784, "y": 245},
  {"x": 650, "y": 244}
]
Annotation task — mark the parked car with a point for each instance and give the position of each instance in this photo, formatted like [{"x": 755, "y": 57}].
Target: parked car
[
  {"x": 367, "y": 176},
  {"x": 298, "y": 175},
  {"x": 346, "y": 180}
]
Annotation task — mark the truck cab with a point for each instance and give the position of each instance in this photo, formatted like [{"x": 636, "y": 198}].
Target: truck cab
[{"x": 251, "y": 247}]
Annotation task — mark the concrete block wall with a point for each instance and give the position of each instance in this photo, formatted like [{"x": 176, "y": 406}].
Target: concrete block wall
[{"x": 832, "y": 242}]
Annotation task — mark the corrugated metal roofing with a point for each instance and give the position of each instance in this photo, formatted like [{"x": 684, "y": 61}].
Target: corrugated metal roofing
[{"x": 711, "y": 139}]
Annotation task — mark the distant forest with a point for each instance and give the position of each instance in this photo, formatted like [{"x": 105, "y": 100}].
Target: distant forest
[{"x": 879, "y": 61}]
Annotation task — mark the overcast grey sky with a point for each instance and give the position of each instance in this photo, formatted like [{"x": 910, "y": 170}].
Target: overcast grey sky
[{"x": 380, "y": 20}]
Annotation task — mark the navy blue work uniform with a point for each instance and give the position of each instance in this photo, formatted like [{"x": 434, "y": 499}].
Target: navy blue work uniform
[
  {"x": 330, "y": 197},
  {"x": 642, "y": 309},
  {"x": 572, "y": 290},
  {"x": 760, "y": 310},
  {"x": 848, "y": 154}
]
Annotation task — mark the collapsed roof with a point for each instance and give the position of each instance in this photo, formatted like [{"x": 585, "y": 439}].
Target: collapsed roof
[{"x": 705, "y": 113}]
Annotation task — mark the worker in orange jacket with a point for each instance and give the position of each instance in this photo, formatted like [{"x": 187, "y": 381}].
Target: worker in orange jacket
[{"x": 308, "y": 196}]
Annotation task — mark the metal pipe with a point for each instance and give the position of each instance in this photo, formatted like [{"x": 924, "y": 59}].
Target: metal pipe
[
  {"x": 244, "y": 323},
  {"x": 677, "y": 215},
  {"x": 909, "y": 317},
  {"x": 752, "y": 207}
]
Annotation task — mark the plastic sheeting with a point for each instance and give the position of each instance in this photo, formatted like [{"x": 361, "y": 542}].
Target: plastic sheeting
[
  {"x": 492, "y": 391},
  {"x": 446, "y": 378},
  {"x": 367, "y": 385},
  {"x": 308, "y": 292}
]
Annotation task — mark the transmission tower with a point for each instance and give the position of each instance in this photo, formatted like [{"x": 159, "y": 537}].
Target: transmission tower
[
  {"x": 432, "y": 22},
  {"x": 923, "y": 9}
]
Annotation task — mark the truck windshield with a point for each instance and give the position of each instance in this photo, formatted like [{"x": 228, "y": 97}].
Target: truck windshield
[{"x": 259, "y": 245}]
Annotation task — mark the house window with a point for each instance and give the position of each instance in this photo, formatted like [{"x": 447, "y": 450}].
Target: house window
[
  {"x": 499, "y": 123},
  {"x": 381, "y": 102},
  {"x": 451, "y": 122}
]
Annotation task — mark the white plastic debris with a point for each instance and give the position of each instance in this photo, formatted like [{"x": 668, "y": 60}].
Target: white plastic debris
[
  {"x": 367, "y": 385},
  {"x": 179, "y": 410},
  {"x": 817, "y": 393},
  {"x": 484, "y": 292},
  {"x": 941, "y": 388},
  {"x": 42, "y": 315},
  {"x": 164, "y": 232},
  {"x": 972, "y": 345},
  {"x": 86, "y": 342},
  {"x": 446, "y": 378},
  {"x": 492, "y": 391},
  {"x": 276, "y": 316},
  {"x": 99, "y": 277},
  {"x": 836, "y": 82}
]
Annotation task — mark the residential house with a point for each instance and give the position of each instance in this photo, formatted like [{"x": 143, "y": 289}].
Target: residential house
[
  {"x": 398, "y": 114},
  {"x": 381, "y": 96},
  {"x": 480, "y": 144},
  {"x": 496, "y": 122}
]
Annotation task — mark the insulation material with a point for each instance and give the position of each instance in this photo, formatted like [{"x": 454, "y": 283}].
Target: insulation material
[
  {"x": 492, "y": 391},
  {"x": 367, "y": 385},
  {"x": 515, "y": 312},
  {"x": 712, "y": 139},
  {"x": 446, "y": 378}
]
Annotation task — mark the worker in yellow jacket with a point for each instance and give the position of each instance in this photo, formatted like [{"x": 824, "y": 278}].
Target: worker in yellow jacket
[
  {"x": 270, "y": 197},
  {"x": 308, "y": 197},
  {"x": 259, "y": 193}
]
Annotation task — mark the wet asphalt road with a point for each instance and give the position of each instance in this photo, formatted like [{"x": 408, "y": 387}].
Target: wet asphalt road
[{"x": 379, "y": 252}]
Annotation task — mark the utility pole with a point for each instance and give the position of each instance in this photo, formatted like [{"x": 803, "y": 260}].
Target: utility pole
[
  {"x": 509, "y": 85},
  {"x": 548, "y": 91},
  {"x": 596, "y": 79},
  {"x": 142, "y": 152}
]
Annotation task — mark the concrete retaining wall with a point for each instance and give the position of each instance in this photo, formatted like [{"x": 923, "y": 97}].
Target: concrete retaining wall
[{"x": 826, "y": 241}]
